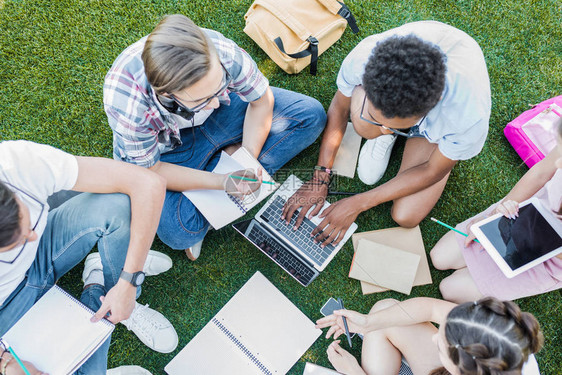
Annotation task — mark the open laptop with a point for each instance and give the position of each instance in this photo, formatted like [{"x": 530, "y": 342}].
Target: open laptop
[{"x": 293, "y": 250}]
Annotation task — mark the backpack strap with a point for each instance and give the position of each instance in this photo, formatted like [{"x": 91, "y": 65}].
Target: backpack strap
[
  {"x": 348, "y": 16},
  {"x": 312, "y": 50},
  {"x": 342, "y": 10}
]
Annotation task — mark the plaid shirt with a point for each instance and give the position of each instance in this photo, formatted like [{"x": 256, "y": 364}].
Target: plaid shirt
[{"x": 142, "y": 127}]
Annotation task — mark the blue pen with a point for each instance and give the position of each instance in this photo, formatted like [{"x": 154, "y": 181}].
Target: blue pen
[
  {"x": 16, "y": 357},
  {"x": 345, "y": 325}
]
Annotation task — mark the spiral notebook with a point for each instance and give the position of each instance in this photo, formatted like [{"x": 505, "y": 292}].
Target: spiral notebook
[
  {"x": 220, "y": 208},
  {"x": 259, "y": 331},
  {"x": 56, "y": 334}
]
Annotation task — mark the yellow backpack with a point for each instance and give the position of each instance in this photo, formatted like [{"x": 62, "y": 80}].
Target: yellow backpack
[{"x": 294, "y": 33}]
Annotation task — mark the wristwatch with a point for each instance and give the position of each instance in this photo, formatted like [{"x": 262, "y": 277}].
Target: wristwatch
[{"x": 136, "y": 279}]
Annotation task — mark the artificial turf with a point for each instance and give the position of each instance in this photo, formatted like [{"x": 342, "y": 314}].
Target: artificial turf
[{"x": 53, "y": 58}]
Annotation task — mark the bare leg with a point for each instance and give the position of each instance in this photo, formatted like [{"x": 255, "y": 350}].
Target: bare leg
[
  {"x": 460, "y": 287},
  {"x": 409, "y": 211},
  {"x": 383, "y": 349},
  {"x": 447, "y": 254}
]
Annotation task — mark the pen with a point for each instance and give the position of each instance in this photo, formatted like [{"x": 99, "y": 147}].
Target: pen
[
  {"x": 252, "y": 180},
  {"x": 16, "y": 357},
  {"x": 451, "y": 228},
  {"x": 345, "y": 325}
]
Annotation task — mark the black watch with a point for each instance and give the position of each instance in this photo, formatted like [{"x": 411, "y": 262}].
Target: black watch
[{"x": 136, "y": 279}]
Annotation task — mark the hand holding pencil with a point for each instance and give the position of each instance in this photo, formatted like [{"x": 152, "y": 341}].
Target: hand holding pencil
[
  {"x": 12, "y": 364},
  {"x": 242, "y": 182}
]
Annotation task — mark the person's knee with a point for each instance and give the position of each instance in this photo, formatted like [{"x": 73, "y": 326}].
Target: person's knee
[
  {"x": 448, "y": 289},
  {"x": 405, "y": 217},
  {"x": 437, "y": 258},
  {"x": 113, "y": 211},
  {"x": 181, "y": 224},
  {"x": 316, "y": 115},
  {"x": 383, "y": 304}
]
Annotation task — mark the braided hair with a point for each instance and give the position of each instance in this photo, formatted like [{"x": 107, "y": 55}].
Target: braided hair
[{"x": 490, "y": 337}]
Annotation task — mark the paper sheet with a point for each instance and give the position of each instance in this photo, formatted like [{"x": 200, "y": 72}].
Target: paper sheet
[
  {"x": 410, "y": 239},
  {"x": 385, "y": 266},
  {"x": 216, "y": 205},
  {"x": 345, "y": 162},
  {"x": 258, "y": 330},
  {"x": 314, "y": 369},
  {"x": 56, "y": 334}
]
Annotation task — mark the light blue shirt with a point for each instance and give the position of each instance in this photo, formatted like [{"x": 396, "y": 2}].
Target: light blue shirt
[{"x": 459, "y": 122}]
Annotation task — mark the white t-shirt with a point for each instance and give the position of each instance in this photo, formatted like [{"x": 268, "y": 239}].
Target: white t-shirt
[
  {"x": 531, "y": 367},
  {"x": 459, "y": 122},
  {"x": 38, "y": 170}
]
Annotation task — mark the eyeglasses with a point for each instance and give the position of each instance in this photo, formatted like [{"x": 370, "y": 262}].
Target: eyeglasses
[
  {"x": 227, "y": 78},
  {"x": 395, "y": 131},
  {"x": 40, "y": 204}
]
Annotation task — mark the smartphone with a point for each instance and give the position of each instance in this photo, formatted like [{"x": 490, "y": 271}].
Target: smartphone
[{"x": 329, "y": 307}]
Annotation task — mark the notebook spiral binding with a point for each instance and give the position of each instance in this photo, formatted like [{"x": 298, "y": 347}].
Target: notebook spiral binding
[
  {"x": 90, "y": 311},
  {"x": 238, "y": 202},
  {"x": 242, "y": 347}
]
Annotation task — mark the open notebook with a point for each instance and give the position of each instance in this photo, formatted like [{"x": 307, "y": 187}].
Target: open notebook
[
  {"x": 259, "y": 331},
  {"x": 56, "y": 334},
  {"x": 220, "y": 208}
]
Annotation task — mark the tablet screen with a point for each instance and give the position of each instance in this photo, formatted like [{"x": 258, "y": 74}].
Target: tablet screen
[{"x": 522, "y": 240}]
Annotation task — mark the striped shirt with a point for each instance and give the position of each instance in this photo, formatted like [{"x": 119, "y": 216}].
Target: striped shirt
[{"x": 142, "y": 128}]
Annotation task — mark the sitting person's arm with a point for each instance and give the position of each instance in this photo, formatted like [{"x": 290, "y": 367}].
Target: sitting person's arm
[
  {"x": 525, "y": 188},
  {"x": 340, "y": 215},
  {"x": 9, "y": 365},
  {"x": 257, "y": 123},
  {"x": 146, "y": 191},
  {"x": 141, "y": 148},
  {"x": 530, "y": 183},
  {"x": 411, "y": 311}
]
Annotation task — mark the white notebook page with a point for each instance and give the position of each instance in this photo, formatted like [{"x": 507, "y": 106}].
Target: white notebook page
[
  {"x": 216, "y": 205},
  {"x": 56, "y": 334},
  {"x": 265, "y": 323}
]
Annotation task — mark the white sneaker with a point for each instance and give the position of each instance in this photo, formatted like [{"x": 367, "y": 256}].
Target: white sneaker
[
  {"x": 152, "y": 328},
  {"x": 128, "y": 370},
  {"x": 194, "y": 251},
  {"x": 374, "y": 157},
  {"x": 156, "y": 263}
]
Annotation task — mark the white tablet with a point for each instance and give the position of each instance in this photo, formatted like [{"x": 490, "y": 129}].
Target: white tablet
[{"x": 517, "y": 245}]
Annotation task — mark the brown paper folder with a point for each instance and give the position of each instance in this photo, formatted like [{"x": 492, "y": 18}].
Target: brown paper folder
[
  {"x": 348, "y": 152},
  {"x": 385, "y": 266},
  {"x": 407, "y": 239}
]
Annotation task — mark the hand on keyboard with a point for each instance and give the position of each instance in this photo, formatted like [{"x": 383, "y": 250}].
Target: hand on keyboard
[
  {"x": 309, "y": 194},
  {"x": 337, "y": 218}
]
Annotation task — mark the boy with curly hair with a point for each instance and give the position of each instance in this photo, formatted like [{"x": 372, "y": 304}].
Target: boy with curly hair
[{"x": 425, "y": 81}]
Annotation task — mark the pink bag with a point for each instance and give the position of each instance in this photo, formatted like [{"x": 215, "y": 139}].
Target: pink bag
[{"x": 532, "y": 133}]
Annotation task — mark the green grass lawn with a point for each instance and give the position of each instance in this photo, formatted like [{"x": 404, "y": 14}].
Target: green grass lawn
[{"x": 53, "y": 58}]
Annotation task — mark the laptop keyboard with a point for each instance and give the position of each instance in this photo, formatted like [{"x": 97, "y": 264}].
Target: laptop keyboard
[
  {"x": 281, "y": 256},
  {"x": 301, "y": 237}
]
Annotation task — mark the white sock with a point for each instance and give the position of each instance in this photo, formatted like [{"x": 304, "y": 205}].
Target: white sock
[{"x": 95, "y": 277}]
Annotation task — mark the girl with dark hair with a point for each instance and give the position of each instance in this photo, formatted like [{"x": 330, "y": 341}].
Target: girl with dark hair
[
  {"x": 475, "y": 338},
  {"x": 476, "y": 273}
]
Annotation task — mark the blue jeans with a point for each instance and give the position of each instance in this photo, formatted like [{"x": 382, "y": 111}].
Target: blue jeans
[
  {"x": 72, "y": 230},
  {"x": 297, "y": 121}
]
